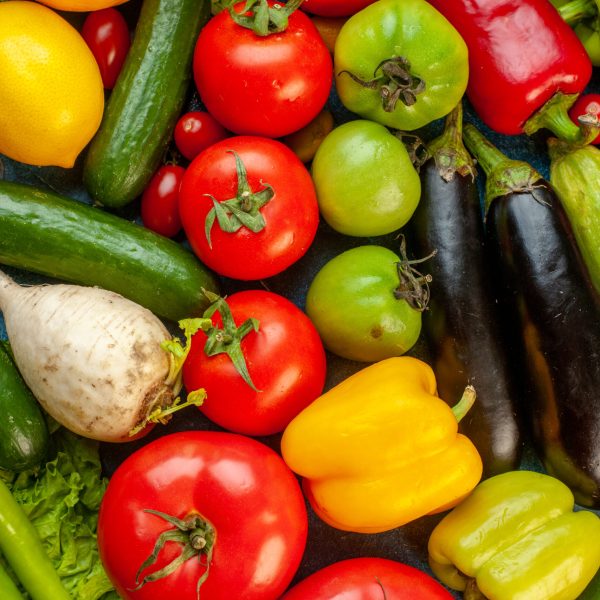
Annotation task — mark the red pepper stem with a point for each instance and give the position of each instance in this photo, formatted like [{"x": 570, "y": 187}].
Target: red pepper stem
[
  {"x": 465, "y": 403},
  {"x": 576, "y": 10},
  {"x": 554, "y": 116},
  {"x": 448, "y": 150},
  {"x": 504, "y": 176}
]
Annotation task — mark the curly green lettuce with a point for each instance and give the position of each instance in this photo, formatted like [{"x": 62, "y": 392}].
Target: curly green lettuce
[{"x": 61, "y": 499}]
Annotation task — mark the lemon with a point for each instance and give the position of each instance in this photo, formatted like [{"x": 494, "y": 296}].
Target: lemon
[{"x": 51, "y": 93}]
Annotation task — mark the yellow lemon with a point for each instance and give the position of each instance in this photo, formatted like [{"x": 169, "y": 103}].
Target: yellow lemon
[{"x": 51, "y": 93}]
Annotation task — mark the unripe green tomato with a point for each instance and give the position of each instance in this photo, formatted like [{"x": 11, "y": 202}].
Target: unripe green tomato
[
  {"x": 365, "y": 181},
  {"x": 352, "y": 304}
]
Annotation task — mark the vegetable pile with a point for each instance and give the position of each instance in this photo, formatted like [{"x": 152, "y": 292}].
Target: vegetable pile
[{"x": 299, "y": 299}]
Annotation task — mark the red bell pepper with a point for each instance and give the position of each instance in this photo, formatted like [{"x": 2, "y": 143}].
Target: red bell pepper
[{"x": 526, "y": 64}]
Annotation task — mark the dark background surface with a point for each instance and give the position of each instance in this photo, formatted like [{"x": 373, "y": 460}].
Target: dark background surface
[{"x": 325, "y": 544}]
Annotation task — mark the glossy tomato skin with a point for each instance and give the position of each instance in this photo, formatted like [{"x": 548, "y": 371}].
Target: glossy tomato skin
[
  {"x": 285, "y": 359},
  {"x": 334, "y": 8},
  {"x": 195, "y": 131},
  {"x": 271, "y": 85},
  {"x": 160, "y": 201},
  {"x": 586, "y": 104},
  {"x": 106, "y": 33},
  {"x": 291, "y": 216},
  {"x": 241, "y": 486},
  {"x": 367, "y": 579}
]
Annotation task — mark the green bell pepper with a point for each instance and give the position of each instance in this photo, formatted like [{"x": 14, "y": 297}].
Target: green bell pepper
[
  {"x": 516, "y": 537},
  {"x": 400, "y": 63}
]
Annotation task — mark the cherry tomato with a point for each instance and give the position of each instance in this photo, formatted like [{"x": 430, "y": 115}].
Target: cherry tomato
[
  {"x": 272, "y": 195},
  {"x": 237, "y": 496},
  {"x": 586, "y": 104},
  {"x": 334, "y": 8},
  {"x": 106, "y": 33},
  {"x": 284, "y": 357},
  {"x": 160, "y": 208},
  {"x": 262, "y": 85},
  {"x": 368, "y": 579},
  {"x": 196, "y": 131}
]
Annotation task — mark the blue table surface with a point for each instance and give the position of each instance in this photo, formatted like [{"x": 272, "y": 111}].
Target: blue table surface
[{"x": 326, "y": 545}]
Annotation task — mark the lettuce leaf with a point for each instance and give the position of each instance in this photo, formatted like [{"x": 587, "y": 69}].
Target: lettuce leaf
[{"x": 62, "y": 498}]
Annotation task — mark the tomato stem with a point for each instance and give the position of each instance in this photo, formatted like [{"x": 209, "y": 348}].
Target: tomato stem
[
  {"x": 413, "y": 286},
  {"x": 243, "y": 209},
  {"x": 263, "y": 19},
  {"x": 395, "y": 82},
  {"x": 228, "y": 339},
  {"x": 195, "y": 535}
]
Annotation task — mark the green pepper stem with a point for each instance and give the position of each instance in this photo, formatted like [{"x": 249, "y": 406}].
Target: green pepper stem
[
  {"x": 577, "y": 10},
  {"x": 504, "y": 176},
  {"x": 465, "y": 403},
  {"x": 554, "y": 116},
  {"x": 448, "y": 150}
]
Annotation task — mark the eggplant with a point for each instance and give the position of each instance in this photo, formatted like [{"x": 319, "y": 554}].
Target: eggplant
[
  {"x": 461, "y": 325},
  {"x": 546, "y": 291}
]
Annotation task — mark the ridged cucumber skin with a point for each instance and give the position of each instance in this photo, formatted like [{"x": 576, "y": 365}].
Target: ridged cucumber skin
[
  {"x": 23, "y": 429},
  {"x": 69, "y": 240},
  {"x": 146, "y": 101}
]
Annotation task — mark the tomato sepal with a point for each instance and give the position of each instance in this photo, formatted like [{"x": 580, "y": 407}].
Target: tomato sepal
[
  {"x": 264, "y": 19},
  {"x": 413, "y": 286},
  {"x": 197, "y": 537}
]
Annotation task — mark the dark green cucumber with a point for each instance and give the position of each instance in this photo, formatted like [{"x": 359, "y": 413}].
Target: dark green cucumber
[
  {"x": 69, "y": 240},
  {"x": 146, "y": 102},
  {"x": 23, "y": 429}
]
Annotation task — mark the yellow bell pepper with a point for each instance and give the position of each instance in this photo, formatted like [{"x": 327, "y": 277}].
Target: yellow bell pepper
[{"x": 381, "y": 449}]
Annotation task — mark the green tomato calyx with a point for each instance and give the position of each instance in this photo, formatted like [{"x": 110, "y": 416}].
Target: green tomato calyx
[
  {"x": 394, "y": 81},
  {"x": 228, "y": 340},
  {"x": 263, "y": 19},
  {"x": 197, "y": 538},
  {"x": 414, "y": 286},
  {"x": 243, "y": 209}
]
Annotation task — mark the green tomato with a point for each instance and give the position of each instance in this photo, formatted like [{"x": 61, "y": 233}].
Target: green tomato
[
  {"x": 400, "y": 63},
  {"x": 589, "y": 36},
  {"x": 353, "y": 303},
  {"x": 365, "y": 181}
]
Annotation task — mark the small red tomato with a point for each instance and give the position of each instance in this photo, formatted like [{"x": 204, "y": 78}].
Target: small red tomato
[
  {"x": 248, "y": 207},
  {"x": 586, "y": 104},
  {"x": 334, "y": 8},
  {"x": 196, "y": 131},
  {"x": 282, "y": 366},
  {"x": 106, "y": 33},
  {"x": 368, "y": 579},
  {"x": 160, "y": 211}
]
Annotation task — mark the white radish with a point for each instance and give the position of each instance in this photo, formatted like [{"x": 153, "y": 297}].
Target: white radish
[{"x": 92, "y": 358}]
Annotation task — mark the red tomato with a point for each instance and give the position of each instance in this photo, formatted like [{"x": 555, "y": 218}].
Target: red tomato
[
  {"x": 291, "y": 216},
  {"x": 241, "y": 488},
  {"x": 587, "y": 103},
  {"x": 159, "y": 208},
  {"x": 196, "y": 131},
  {"x": 271, "y": 85},
  {"x": 285, "y": 361},
  {"x": 335, "y": 8},
  {"x": 368, "y": 579},
  {"x": 106, "y": 33}
]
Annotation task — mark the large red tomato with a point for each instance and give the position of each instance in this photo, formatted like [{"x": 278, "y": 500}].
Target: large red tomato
[
  {"x": 257, "y": 181},
  {"x": 335, "y": 8},
  {"x": 248, "y": 511},
  {"x": 262, "y": 85},
  {"x": 368, "y": 579},
  {"x": 284, "y": 358}
]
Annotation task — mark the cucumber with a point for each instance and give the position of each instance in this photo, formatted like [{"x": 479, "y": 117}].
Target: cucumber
[
  {"x": 72, "y": 241},
  {"x": 146, "y": 102},
  {"x": 23, "y": 429}
]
